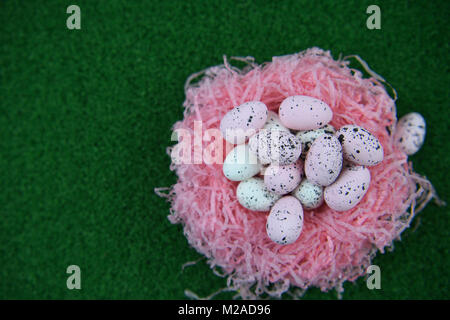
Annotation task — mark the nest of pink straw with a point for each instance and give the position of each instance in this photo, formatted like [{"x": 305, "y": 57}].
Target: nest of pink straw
[{"x": 334, "y": 247}]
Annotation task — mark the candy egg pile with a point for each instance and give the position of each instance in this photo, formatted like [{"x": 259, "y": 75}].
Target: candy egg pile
[{"x": 295, "y": 160}]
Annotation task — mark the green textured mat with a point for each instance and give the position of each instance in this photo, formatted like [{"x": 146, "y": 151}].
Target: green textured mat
[{"x": 86, "y": 117}]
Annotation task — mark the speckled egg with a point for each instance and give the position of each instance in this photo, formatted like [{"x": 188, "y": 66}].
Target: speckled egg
[
  {"x": 285, "y": 221},
  {"x": 307, "y": 137},
  {"x": 243, "y": 121},
  {"x": 304, "y": 113},
  {"x": 275, "y": 146},
  {"x": 241, "y": 164},
  {"x": 273, "y": 123},
  {"x": 309, "y": 194},
  {"x": 254, "y": 195},
  {"x": 410, "y": 133},
  {"x": 349, "y": 189},
  {"x": 283, "y": 179},
  {"x": 324, "y": 160},
  {"x": 359, "y": 146}
]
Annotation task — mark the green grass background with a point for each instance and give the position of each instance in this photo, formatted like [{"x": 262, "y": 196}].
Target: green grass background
[{"x": 86, "y": 117}]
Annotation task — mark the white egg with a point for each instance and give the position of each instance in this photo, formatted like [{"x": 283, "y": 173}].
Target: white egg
[
  {"x": 309, "y": 194},
  {"x": 273, "y": 122},
  {"x": 410, "y": 133},
  {"x": 241, "y": 163},
  {"x": 275, "y": 146},
  {"x": 254, "y": 195},
  {"x": 285, "y": 221}
]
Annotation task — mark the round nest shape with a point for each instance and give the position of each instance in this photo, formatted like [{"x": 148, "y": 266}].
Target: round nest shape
[{"x": 334, "y": 246}]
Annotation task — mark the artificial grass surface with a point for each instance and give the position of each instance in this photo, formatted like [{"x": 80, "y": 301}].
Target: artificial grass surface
[{"x": 86, "y": 117}]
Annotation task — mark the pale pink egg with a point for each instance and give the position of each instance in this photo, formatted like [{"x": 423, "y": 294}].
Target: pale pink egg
[
  {"x": 243, "y": 121},
  {"x": 304, "y": 113},
  {"x": 359, "y": 146},
  {"x": 324, "y": 160},
  {"x": 410, "y": 133},
  {"x": 349, "y": 189},
  {"x": 285, "y": 221},
  {"x": 283, "y": 179}
]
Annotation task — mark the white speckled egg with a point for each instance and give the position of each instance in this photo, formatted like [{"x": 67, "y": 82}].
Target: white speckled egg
[
  {"x": 283, "y": 179},
  {"x": 307, "y": 137},
  {"x": 241, "y": 164},
  {"x": 359, "y": 145},
  {"x": 304, "y": 113},
  {"x": 274, "y": 123},
  {"x": 285, "y": 221},
  {"x": 324, "y": 160},
  {"x": 410, "y": 133},
  {"x": 254, "y": 195},
  {"x": 309, "y": 194},
  {"x": 349, "y": 189},
  {"x": 275, "y": 146},
  {"x": 243, "y": 121}
]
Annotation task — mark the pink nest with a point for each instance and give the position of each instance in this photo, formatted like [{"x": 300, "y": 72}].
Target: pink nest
[{"x": 334, "y": 246}]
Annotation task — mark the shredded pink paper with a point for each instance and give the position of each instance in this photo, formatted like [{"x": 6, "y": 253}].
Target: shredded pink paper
[{"x": 334, "y": 246}]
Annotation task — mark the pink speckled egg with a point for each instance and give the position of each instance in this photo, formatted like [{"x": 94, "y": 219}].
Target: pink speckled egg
[
  {"x": 285, "y": 221},
  {"x": 275, "y": 146},
  {"x": 359, "y": 146},
  {"x": 410, "y": 133},
  {"x": 283, "y": 179},
  {"x": 243, "y": 121},
  {"x": 304, "y": 113},
  {"x": 324, "y": 160},
  {"x": 348, "y": 190}
]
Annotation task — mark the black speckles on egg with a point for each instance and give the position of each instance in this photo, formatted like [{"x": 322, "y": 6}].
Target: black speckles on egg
[
  {"x": 359, "y": 145},
  {"x": 324, "y": 160},
  {"x": 307, "y": 137},
  {"x": 410, "y": 133},
  {"x": 235, "y": 124},
  {"x": 253, "y": 195},
  {"x": 309, "y": 194},
  {"x": 349, "y": 189},
  {"x": 275, "y": 146},
  {"x": 283, "y": 179},
  {"x": 304, "y": 113},
  {"x": 285, "y": 221}
]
